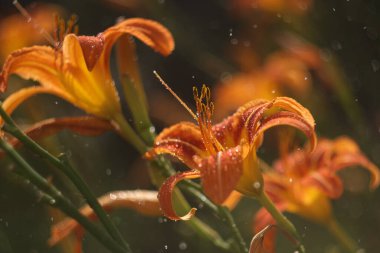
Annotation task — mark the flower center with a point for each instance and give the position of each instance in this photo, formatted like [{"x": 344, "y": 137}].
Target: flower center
[{"x": 205, "y": 110}]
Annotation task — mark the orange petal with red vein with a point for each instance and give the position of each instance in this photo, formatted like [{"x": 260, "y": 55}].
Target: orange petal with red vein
[
  {"x": 142, "y": 201},
  {"x": 292, "y": 105},
  {"x": 150, "y": 32},
  {"x": 326, "y": 181},
  {"x": 346, "y": 160},
  {"x": 221, "y": 173},
  {"x": 166, "y": 191},
  {"x": 291, "y": 119},
  {"x": 183, "y": 141}
]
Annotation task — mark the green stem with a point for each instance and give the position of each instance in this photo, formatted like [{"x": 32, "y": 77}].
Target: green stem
[
  {"x": 127, "y": 132},
  {"x": 57, "y": 199},
  {"x": 70, "y": 172},
  {"x": 344, "y": 239},
  {"x": 226, "y": 215},
  {"x": 281, "y": 220}
]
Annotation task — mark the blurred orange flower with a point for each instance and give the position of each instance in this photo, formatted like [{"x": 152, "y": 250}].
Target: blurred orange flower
[
  {"x": 298, "y": 7},
  {"x": 282, "y": 72},
  {"x": 303, "y": 183},
  {"x": 16, "y": 33},
  {"x": 78, "y": 69},
  {"x": 224, "y": 155}
]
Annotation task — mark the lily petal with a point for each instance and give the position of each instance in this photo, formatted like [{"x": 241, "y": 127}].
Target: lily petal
[
  {"x": 18, "y": 97},
  {"x": 232, "y": 200},
  {"x": 141, "y": 201},
  {"x": 150, "y": 32},
  {"x": 291, "y": 119},
  {"x": 221, "y": 173},
  {"x": 165, "y": 195},
  {"x": 182, "y": 140},
  {"x": 84, "y": 125},
  {"x": 92, "y": 48},
  {"x": 347, "y": 160},
  {"x": 262, "y": 241},
  {"x": 93, "y": 91},
  {"x": 39, "y": 63},
  {"x": 327, "y": 181}
]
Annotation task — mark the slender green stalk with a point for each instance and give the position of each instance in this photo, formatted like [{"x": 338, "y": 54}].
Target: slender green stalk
[
  {"x": 281, "y": 220},
  {"x": 127, "y": 132},
  {"x": 226, "y": 215},
  {"x": 58, "y": 200},
  {"x": 70, "y": 172},
  {"x": 344, "y": 239}
]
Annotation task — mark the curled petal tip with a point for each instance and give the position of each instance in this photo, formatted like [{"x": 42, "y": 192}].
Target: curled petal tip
[
  {"x": 189, "y": 215},
  {"x": 166, "y": 191}
]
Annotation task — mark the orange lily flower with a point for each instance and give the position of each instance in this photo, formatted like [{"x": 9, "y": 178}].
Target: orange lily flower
[
  {"x": 303, "y": 183},
  {"x": 77, "y": 69},
  {"x": 224, "y": 155}
]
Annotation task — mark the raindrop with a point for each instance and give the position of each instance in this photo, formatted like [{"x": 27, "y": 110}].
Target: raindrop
[
  {"x": 333, "y": 9},
  {"x": 182, "y": 245},
  {"x": 234, "y": 41},
  {"x": 375, "y": 65},
  {"x": 356, "y": 100},
  {"x": 52, "y": 201},
  {"x": 108, "y": 172},
  {"x": 230, "y": 32},
  {"x": 161, "y": 1},
  {"x": 336, "y": 45},
  {"x": 273, "y": 91},
  {"x": 255, "y": 26},
  {"x": 166, "y": 247},
  {"x": 256, "y": 185},
  {"x": 56, "y": 102}
]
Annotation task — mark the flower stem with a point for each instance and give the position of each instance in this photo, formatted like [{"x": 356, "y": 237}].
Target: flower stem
[
  {"x": 281, "y": 220},
  {"x": 58, "y": 200},
  {"x": 127, "y": 132},
  {"x": 344, "y": 239},
  {"x": 225, "y": 214},
  {"x": 70, "y": 172}
]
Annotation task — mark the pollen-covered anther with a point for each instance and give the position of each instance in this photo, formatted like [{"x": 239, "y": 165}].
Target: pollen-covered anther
[{"x": 205, "y": 110}]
